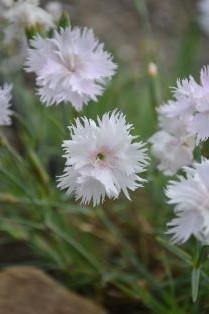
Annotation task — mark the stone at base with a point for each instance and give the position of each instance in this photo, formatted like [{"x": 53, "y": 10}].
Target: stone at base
[{"x": 26, "y": 290}]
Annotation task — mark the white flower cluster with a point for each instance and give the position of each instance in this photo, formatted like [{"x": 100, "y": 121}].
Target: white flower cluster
[
  {"x": 102, "y": 159},
  {"x": 191, "y": 105},
  {"x": 172, "y": 146},
  {"x": 27, "y": 13},
  {"x": 183, "y": 124},
  {"x": 71, "y": 67},
  {"x": 19, "y": 16},
  {"x": 5, "y": 98},
  {"x": 190, "y": 195}
]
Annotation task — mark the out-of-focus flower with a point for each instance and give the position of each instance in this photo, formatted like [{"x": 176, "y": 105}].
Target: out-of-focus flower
[
  {"x": 4, "y": 6},
  {"x": 102, "y": 159},
  {"x": 172, "y": 146},
  {"x": 14, "y": 60},
  {"x": 191, "y": 105},
  {"x": 203, "y": 6},
  {"x": 71, "y": 67},
  {"x": 20, "y": 16},
  {"x": 54, "y": 8},
  {"x": 190, "y": 195},
  {"x": 14, "y": 49},
  {"x": 5, "y": 98},
  {"x": 27, "y": 13},
  {"x": 185, "y": 96},
  {"x": 199, "y": 123}
]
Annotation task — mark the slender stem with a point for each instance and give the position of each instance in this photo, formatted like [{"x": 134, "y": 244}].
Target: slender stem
[
  {"x": 128, "y": 250},
  {"x": 23, "y": 222},
  {"x": 56, "y": 124},
  {"x": 196, "y": 272},
  {"x": 33, "y": 157},
  {"x": 64, "y": 208},
  {"x": 143, "y": 12},
  {"x": 77, "y": 246},
  {"x": 55, "y": 230},
  {"x": 142, "y": 294},
  {"x": 21, "y": 122},
  {"x": 16, "y": 182},
  {"x": 199, "y": 260},
  {"x": 10, "y": 149},
  {"x": 39, "y": 169}
]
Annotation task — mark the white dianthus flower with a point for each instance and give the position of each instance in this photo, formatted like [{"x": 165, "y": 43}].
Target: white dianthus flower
[
  {"x": 172, "y": 146},
  {"x": 102, "y": 159},
  {"x": 191, "y": 105},
  {"x": 199, "y": 123},
  {"x": 15, "y": 44},
  {"x": 27, "y": 13},
  {"x": 190, "y": 195},
  {"x": 70, "y": 67},
  {"x": 5, "y": 98},
  {"x": 183, "y": 105}
]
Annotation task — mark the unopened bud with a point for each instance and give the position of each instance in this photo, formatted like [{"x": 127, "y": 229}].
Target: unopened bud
[
  {"x": 152, "y": 69},
  {"x": 31, "y": 32},
  {"x": 64, "y": 21}
]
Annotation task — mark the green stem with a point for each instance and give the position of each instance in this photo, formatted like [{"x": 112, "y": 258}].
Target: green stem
[
  {"x": 77, "y": 247},
  {"x": 142, "y": 9},
  {"x": 196, "y": 271},
  {"x": 57, "y": 125},
  {"x": 154, "y": 88},
  {"x": 16, "y": 182},
  {"x": 144, "y": 15},
  {"x": 199, "y": 260},
  {"x": 39, "y": 169},
  {"x": 35, "y": 161},
  {"x": 24, "y": 223},
  {"x": 64, "y": 208},
  {"x": 142, "y": 294},
  {"x": 22, "y": 123},
  {"x": 128, "y": 251},
  {"x": 10, "y": 149}
]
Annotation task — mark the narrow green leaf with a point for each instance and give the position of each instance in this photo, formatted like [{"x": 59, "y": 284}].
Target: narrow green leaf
[{"x": 195, "y": 283}]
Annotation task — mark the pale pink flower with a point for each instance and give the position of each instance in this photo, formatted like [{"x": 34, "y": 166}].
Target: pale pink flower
[
  {"x": 27, "y": 13},
  {"x": 191, "y": 105},
  {"x": 70, "y": 67},
  {"x": 172, "y": 145}
]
